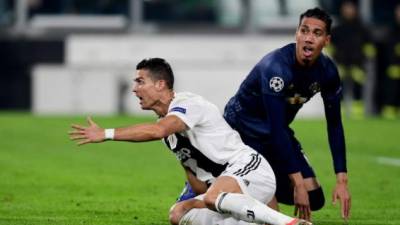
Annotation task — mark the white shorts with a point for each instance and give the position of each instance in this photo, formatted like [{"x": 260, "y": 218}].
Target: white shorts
[{"x": 254, "y": 176}]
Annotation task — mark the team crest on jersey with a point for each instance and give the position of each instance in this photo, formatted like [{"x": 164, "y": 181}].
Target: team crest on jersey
[
  {"x": 297, "y": 99},
  {"x": 277, "y": 84},
  {"x": 173, "y": 141},
  {"x": 178, "y": 109}
]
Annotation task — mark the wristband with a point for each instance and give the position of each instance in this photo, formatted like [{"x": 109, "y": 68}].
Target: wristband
[{"x": 109, "y": 134}]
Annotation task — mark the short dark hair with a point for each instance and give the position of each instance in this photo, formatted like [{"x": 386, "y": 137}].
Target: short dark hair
[
  {"x": 159, "y": 70},
  {"x": 320, "y": 14}
]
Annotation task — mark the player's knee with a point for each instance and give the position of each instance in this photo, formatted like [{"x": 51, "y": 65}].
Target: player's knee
[
  {"x": 176, "y": 213},
  {"x": 317, "y": 199}
]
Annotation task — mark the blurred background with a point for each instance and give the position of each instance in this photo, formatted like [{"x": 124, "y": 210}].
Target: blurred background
[{"x": 79, "y": 56}]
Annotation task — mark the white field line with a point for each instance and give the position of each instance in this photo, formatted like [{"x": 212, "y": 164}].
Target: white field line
[{"x": 388, "y": 161}]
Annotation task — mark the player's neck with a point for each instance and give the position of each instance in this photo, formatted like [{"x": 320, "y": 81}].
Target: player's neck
[
  {"x": 305, "y": 64},
  {"x": 161, "y": 107}
]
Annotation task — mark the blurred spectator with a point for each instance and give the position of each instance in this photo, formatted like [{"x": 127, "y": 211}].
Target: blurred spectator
[
  {"x": 351, "y": 48},
  {"x": 196, "y": 11},
  {"x": 391, "y": 107},
  {"x": 6, "y": 12},
  {"x": 43, "y": 7},
  {"x": 180, "y": 11},
  {"x": 78, "y": 7}
]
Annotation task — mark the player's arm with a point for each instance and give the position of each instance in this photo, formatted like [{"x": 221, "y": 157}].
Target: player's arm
[
  {"x": 198, "y": 186},
  {"x": 331, "y": 97},
  {"x": 335, "y": 131},
  {"x": 338, "y": 151},
  {"x": 135, "y": 133},
  {"x": 275, "y": 105}
]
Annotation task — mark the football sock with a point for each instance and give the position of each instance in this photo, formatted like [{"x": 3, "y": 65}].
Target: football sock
[
  {"x": 246, "y": 208},
  {"x": 205, "y": 216}
]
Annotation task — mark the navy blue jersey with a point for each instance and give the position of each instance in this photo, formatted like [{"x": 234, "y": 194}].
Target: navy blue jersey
[{"x": 272, "y": 94}]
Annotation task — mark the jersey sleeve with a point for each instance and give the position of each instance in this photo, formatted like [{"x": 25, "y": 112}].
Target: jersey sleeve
[
  {"x": 275, "y": 79},
  {"x": 331, "y": 88},
  {"x": 188, "y": 111},
  {"x": 331, "y": 95}
]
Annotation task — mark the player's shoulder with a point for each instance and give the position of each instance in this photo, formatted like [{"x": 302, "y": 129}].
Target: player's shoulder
[
  {"x": 278, "y": 62},
  {"x": 189, "y": 98},
  {"x": 283, "y": 56},
  {"x": 184, "y": 101},
  {"x": 185, "y": 95},
  {"x": 328, "y": 65},
  {"x": 181, "y": 97},
  {"x": 327, "y": 61}
]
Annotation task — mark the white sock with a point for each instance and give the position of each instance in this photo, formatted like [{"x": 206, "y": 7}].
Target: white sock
[
  {"x": 205, "y": 216},
  {"x": 246, "y": 208}
]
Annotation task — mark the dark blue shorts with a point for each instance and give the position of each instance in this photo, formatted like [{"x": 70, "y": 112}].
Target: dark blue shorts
[{"x": 284, "y": 187}]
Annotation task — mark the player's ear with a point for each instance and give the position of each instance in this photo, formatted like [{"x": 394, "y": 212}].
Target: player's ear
[
  {"x": 161, "y": 84},
  {"x": 327, "y": 40},
  {"x": 296, "y": 33}
]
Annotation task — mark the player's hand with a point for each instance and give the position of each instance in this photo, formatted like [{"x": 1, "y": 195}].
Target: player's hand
[
  {"x": 342, "y": 193},
  {"x": 301, "y": 203},
  {"x": 84, "y": 135}
]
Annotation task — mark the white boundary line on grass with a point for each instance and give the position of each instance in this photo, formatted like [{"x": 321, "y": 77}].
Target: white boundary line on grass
[{"x": 388, "y": 161}]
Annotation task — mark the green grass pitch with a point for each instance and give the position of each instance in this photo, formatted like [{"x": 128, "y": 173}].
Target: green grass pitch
[{"x": 47, "y": 179}]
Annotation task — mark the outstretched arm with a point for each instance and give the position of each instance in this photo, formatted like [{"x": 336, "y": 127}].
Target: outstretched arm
[{"x": 136, "y": 133}]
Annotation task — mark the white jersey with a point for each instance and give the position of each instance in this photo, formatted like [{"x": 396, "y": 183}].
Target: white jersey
[{"x": 209, "y": 144}]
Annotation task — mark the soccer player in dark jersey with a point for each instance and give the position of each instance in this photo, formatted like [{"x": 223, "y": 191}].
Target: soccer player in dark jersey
[{"x": 268, "y": 101}]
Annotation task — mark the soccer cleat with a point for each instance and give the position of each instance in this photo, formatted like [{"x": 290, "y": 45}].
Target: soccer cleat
[
  {"x": 187, "y": 193},
  {"x": 299, "y": 222}
]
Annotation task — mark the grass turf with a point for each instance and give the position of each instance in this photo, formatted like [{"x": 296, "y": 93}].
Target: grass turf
[{"x": 46, "y": 179}]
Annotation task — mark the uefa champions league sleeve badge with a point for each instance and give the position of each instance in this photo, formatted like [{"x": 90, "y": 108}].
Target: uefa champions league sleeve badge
[{"x": 277, "y": 84}]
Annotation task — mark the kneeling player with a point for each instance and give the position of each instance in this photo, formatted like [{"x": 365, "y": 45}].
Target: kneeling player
[{"x": 240, "y": 179}]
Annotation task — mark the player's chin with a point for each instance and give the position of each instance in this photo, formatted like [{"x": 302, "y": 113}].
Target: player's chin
[
  {"x": 144, "y": 107},
  {"x": 306, "y": 61}
]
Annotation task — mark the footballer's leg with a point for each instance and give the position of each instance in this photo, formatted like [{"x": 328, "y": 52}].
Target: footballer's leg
[
  {"x": 284, "y": 192},
  {"x": 178, "y": 210},
  {"x": 273, "y": 204},
  {"x": 193, "y": 186},
  {"x": 182, "y": 213},
  {"x": 187, "y": 193},
  {"x": 315, "y": 193},
  {"x": 241, "y": 206},
  {"x": 206, "y": 216},
  {"x": 242, "y": 189},
  {"x": 284, "y": 187}
]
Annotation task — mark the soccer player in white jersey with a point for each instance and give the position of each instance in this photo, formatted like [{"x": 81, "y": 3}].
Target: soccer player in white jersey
[{"x": 237, "y": 180}]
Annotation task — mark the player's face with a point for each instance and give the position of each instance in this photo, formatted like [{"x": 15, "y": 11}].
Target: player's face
[
  {"x": 311, "y": 38},
  {"x": 145, "y": 89}
]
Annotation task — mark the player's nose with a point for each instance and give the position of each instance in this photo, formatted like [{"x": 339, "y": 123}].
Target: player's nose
[
  {"x": 309, "y": 38},
  {"x": 134, "y": 88}
]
